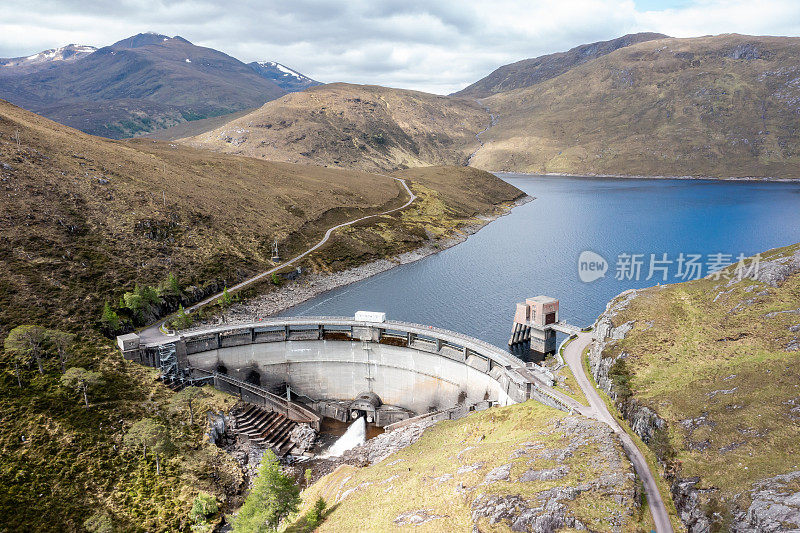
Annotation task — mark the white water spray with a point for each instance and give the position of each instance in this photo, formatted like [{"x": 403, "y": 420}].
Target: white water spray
[{"x": 356, "y": 434}]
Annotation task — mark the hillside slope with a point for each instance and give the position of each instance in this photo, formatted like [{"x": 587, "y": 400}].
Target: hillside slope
[
  {"x": 708, "y": 373},
  {"x": 84, "y": 220},
  {"x": 723, "y": 106},
  {"x": 142, "y": 83},
  {"x": 536, "y": 70},
  {"x": 355, "y": 126},
  {"x": 526, "y": 467}
]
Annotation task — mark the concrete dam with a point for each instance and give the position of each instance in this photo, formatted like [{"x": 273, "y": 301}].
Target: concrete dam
[{"x": 337, "y": 364}]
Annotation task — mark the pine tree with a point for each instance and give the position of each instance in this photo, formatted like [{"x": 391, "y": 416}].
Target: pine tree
[
  {"x": 25, "y": 343},
  {"x": 109, "y": 320},
  {"x": 80, "y": 379},
  {"x": 274, "y": 496}
]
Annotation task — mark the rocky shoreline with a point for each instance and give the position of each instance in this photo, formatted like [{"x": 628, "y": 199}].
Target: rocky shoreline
[{"x": 312, "y": 285}]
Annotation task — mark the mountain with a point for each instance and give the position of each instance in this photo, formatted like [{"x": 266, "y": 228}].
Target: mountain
[
  {"x": 721, "y": 106},
  {"x": 355, "y": 126},
  {"x": 45, "y": 59},
  {"x": 532, "y": 71},
  {"x": 287, "y": 79},
  {"x": 143, "y": 83}
]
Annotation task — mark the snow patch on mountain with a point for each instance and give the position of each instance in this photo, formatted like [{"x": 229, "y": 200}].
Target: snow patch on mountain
[
  {"x": 288, "y": 79},
  {"x": 71, "y": 52},
  {"x": 284, "y": 69}
]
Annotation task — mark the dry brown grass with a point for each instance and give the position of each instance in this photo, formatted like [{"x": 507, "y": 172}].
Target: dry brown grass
[
  {"x": 355, "y": 126},
  {"x": 667, "y": 107},
  {"x": 84, "y": 218}
]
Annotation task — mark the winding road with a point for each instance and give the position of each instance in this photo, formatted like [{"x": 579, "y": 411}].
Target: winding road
[
  {"x": 153, "y": 332},
  {"x": 573, "y": 354}
]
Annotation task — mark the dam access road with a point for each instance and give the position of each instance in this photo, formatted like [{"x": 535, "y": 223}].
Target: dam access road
[
  {"x": 573, "y": 355},
  {"x": 153, "y": 332}
]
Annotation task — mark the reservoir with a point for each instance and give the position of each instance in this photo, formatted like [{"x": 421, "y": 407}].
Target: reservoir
[{"x": 472, "y": 288}]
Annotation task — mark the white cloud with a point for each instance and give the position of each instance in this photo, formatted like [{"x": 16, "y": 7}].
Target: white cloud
[{"x": 400, "y": 43}]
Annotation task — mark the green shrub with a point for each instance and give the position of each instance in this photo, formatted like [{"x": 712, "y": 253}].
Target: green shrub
[
  {"x": 182, "y": 320},
  {"x": 317, "y": 513},
  {"x": 621, "y": 379},
  {"x": 204, "y": 506},
  {"x": 109, "y": 320}
]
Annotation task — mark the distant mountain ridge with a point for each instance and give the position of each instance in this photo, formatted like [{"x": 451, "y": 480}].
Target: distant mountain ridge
[
  {"x": 286, "y": 78},
  {"x": 143, "y": 83},
  {"x": 45, "y": 58},
  {"x": 719, "y": 106},
  {"x": 536, "y": 70}
]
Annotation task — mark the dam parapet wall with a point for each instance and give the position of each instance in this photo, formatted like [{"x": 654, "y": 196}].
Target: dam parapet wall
[{"x": 420, "y": 368}]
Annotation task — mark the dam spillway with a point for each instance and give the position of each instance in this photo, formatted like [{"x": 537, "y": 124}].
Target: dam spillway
[{"x": 418, "y": 368}]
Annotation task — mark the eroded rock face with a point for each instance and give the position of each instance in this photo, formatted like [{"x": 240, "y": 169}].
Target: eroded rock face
[
  {"x": 303, "y": 437},
  {"x": 775, "y": 506},
  {"x": 550, "y": 516},
  {"x": 687, "y": 502},
  {"x": 385, "y": 444},
  {"x": 775, "y": 271}
]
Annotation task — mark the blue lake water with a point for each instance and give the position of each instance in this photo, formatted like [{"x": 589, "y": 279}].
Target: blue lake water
[{"x": 472, "y": 288}]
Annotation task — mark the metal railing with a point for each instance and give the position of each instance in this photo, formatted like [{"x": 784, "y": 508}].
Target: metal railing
[{"x": 273, "y": 402}]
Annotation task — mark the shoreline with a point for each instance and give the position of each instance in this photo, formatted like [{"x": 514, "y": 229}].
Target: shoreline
[
  {"x": 644, "y": 177},
  {"x": 310, "y": 286}
]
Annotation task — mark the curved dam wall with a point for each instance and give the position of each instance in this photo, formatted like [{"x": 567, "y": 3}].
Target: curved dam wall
[
  {"x": 420, "y": 368},
  {"x": 333, "y": 369}
]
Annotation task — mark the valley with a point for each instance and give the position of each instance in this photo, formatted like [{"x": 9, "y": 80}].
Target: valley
[{"x": 209, "y": 263}]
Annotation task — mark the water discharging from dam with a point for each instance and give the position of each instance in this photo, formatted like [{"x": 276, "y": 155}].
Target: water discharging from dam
[{"x": 356, "y": 434}]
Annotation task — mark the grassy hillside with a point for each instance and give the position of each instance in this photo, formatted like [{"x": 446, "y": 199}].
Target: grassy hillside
[
  {"x": 85, "y": 219},
  {"x": 523, "y": 468},
  {"x": 719, "y": 363},
  {"x": 355, "y": 126},
  {"x": 536, "y": 70},
  {"x": 711, "y": 106},
  {"x": 450, "y": 200}
]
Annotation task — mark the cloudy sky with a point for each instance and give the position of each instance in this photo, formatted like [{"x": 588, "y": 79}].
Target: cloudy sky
[{"x": 435, "y": 46}]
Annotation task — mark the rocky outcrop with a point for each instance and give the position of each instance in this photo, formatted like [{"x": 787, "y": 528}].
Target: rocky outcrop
[
  {"x": 550, "y": 515},
  {"x": 604, "y": 333},
  {"x": 302, "y": 437},
  {"x": 687, "y": 502},
  {"x": 379, "y": 448},
  {"x": 774, "y": 272},
  {"x": 775, "y": 506},
  {"x": 549, "y": 510}
]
